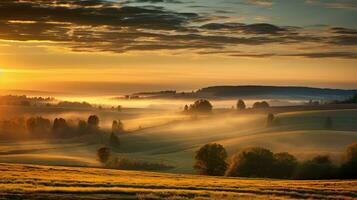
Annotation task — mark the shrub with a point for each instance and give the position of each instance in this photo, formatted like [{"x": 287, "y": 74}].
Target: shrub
[
  {"x": 211, "y": 160},
  {"x": 320, "y": 167},
  {"x": 251, "y": 162},
  {"x": 104, "y": 155},
  {"x": 284, "y": 165},
  {"x": 349, "y": 166}
]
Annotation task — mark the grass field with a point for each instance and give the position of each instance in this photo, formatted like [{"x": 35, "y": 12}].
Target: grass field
[{"x": 49, "y": 182}]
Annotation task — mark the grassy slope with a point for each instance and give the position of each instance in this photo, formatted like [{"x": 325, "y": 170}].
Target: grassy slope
[
  {"x": 301, "y": 133},
  {"x": 45, "y": 182}
]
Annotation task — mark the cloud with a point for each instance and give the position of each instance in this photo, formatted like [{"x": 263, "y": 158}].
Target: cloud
[
  {"x": 343, "y": 36},
  {"x": 346, "y": 31},
  {"x": 345, "y": 4},
  {"x": 344, "y": 55},
  {"x": 103, "y": 26},
  {"x": 154, "y": 1},
  {"x": 261, "y": 28},
  {"x": 261, "y": 3},
  {"x": 346, "y": 40}
]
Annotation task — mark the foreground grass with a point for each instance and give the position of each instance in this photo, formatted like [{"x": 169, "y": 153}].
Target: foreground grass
[{"x": 48, "y": 182}]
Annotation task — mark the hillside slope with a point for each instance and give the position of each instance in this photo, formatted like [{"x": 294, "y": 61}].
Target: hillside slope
[
  {"x": 45, "y": 182},
  {"x": 301, "y": 133}
]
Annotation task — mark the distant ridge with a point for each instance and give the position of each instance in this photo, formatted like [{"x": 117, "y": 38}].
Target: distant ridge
[
  {"x": 255, "y": 91},
  {"x": 274, "y": 91}
]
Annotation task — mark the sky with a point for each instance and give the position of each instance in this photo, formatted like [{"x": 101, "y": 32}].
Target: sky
[{"x": 124, "y": 46}]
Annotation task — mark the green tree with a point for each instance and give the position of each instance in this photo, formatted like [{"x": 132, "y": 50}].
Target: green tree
[
  {"x": 114, "y": 141},
  {"x": 104, "y": 154},
  {"x": 320, "y": 167},
  {"x": 93, "y": 121},
  {"x": 241, "y": 105},
  {"x": 82, "y": 127},
  {"x": 201, "y": 106},
  {"x": 185, "y": 108},
  {"x": 251, "y": 162},
  {"x": 38, "y": 126},
  {"x": 263, "y": 104},
  {"x": 117, "y": 126},
  {"x": 349, "y": 166},
  {"x": 270, "y": 120},
  {"x": 284, "y": 165},
  {"x": 211, "y": 160},
  {"x": 60, "y": 127}
]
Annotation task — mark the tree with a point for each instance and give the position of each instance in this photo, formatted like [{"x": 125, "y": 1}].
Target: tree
[
  {"x": 82, "y": 127},
  {"x": 270, "y": 119},
  {"x": 38, "y": 126},
  {"x": 114, "y": 141},
  {"x": 320, "y": 167},
  {"x": 284, "y": 165},
  {"x": 185, "y": 109},
  {"x": 211, "y": 160},
  {"x": 104, "y": 154},
  {"x": 201, "y": 106},
  {"x": 25, "y": 103},
  {"x": 241, "y": 105},
  {"x": 349, "y": 166},
  {"x": 328, "y": 123},
  {"x": 262, "y": 104},
  {"x": 251, "y": 162},
  {"x": 93, "y": 122},
  {"x": 117, "y": 126},
  {"x": 60, "y": 127}
]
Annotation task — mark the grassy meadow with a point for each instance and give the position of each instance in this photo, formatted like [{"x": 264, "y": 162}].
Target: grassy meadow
[
  {"x": 170, "y": 137},
  {"x": 49, "y": 182}
]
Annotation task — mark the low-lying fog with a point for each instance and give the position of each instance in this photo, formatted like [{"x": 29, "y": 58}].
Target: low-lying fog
[
  {"x": 157, "y": 130},
  {"x": 173, "y": 104}
]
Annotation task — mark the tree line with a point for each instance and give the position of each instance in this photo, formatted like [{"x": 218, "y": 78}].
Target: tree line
[
  {"x": 256, "y": 162},
  {"x": 59, "y": 128},
  {"x": 203, "y": 106}
]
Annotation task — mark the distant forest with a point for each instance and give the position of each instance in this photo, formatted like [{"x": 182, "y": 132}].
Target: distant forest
[{"x": 252, "y": 91}]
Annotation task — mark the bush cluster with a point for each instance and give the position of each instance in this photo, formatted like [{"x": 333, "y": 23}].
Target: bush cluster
[{"x": 257, "y": 162}]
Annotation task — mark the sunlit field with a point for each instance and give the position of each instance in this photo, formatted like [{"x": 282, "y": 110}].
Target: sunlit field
[{"x": 45, "y": 182}]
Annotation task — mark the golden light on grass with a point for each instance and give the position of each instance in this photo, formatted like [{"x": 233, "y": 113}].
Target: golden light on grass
[{"x": 79, "y": 182}]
